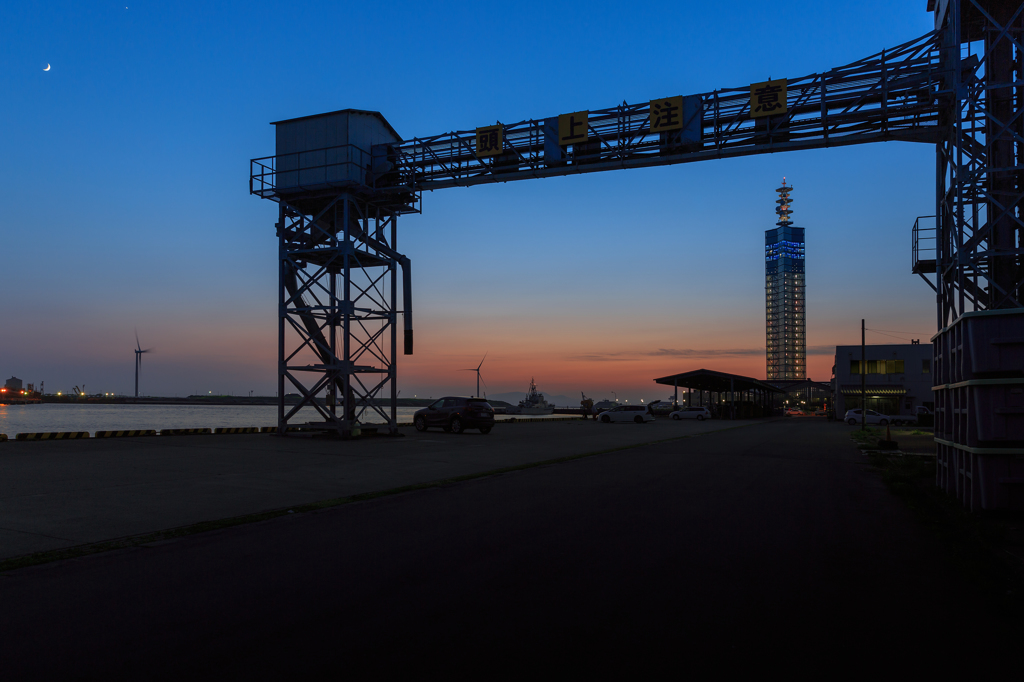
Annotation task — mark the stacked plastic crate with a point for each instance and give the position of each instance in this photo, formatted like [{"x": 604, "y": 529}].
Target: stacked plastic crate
[{"x": 979, "y": 409}]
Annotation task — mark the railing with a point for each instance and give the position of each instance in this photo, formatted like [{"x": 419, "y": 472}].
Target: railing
[
  {"x": 890, "y": 95},
  {"x": 339, "y": 166},
  {"x": 923, "y": 242}
]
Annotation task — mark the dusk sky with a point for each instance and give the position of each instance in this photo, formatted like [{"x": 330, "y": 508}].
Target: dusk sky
[{"x": 125, "y": 179}]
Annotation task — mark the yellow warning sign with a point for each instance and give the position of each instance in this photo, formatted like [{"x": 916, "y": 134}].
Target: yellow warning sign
[
  {"x": 768, "y": 98},
  {"x": 488, "y": 140},
  {"x": 572, "y": 128},
  {"x": 666, "y": 114}
]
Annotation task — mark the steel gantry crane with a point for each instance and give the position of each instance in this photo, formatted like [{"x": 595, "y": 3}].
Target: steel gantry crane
[{"x": 342, "y": 179}]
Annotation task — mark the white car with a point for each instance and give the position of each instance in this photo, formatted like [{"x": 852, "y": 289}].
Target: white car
[
  {"x": 853, "y": 418},
  {"x": 698, "y": 413},
  {"x": 627, "y": 413}
]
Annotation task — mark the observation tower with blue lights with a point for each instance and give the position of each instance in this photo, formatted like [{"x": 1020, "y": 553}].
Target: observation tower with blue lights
[{"x": 785, "y": 301}]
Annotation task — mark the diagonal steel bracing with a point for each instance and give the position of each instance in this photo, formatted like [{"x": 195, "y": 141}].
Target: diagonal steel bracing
[
  {"x": 980, "y": 160},
  {"x": 338, "y": 314},
  {"x": 892, "y": 95}
]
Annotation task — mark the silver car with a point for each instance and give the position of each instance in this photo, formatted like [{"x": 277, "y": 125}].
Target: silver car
[
  {"x": 853, "y": 418},
  {"x": 698, "y": 413},
  {"x": 627, "y": 413}
]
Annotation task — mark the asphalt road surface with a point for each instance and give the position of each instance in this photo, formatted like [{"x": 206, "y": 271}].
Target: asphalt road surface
[{"x": 762, "y": 546}]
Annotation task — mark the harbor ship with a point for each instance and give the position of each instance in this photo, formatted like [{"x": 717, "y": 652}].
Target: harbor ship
[{"x": 534, "y": 403}]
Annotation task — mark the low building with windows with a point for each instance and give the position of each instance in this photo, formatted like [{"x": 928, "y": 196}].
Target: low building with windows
[{"x": 897, "y": 377}]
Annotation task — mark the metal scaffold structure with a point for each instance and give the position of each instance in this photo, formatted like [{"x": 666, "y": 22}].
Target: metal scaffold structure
[
  {"x": 339, "y": 271},
  {"x": 977, "y": 262},
  {"x": 888, "y": 96},
  {"x": 343, "y": 178}
]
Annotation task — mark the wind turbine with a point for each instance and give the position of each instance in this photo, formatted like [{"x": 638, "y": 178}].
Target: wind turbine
[
  {"x": 477, "y": 370},
  {"x": 138, "y": 360}
]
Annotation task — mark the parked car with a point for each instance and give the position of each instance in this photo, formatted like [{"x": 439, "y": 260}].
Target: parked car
[
  {"x": 852, "y": 418},
  {"x": 921, "y": 415},
  {"x": 662, "y": 407},
  {"x": 698, "y": 413},
  {"x": 819, "y": 412},
  {"x": 794, "y": 412},
  {"x": 627, "y": 413},
  {"x": 456, "y": 414}
]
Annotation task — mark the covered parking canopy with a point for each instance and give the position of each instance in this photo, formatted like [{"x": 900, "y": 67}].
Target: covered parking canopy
[{"x": 730, "y": 395}]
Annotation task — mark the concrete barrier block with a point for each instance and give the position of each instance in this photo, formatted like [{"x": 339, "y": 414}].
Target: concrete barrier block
[
  {"x": 54, "y": 435},
  {"x": 133, "y": 433},
  {"x": 185, "y": 432}
]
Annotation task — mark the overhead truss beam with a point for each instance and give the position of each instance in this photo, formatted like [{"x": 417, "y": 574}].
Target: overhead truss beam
[{"x": 892, "y": 95}]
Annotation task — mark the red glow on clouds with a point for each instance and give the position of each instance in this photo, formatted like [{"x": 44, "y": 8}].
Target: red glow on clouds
[{"x": 565, "y": 363}]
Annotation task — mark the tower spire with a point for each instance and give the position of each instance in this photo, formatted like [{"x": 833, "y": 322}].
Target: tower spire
[
  {"x": 785, "y": 308},
  {"x": 785, "y": 205}
]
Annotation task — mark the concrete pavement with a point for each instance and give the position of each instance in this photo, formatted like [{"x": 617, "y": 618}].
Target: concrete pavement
[{"x": 59, "y": 494}]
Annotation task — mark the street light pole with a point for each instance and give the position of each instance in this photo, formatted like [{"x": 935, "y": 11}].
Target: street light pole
[{"x": 863, "y": 384}]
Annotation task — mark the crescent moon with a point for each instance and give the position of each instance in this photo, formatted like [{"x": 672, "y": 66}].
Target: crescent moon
[{"x": 47, "y": 68}]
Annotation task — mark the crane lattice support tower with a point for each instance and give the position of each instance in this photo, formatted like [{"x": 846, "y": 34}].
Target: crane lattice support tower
[{"x": 341, "y": 180}]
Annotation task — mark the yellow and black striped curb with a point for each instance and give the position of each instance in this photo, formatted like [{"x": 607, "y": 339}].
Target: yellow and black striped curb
[
  {"x": 125, "y": 434},
  {"x": 53, "y": 435},
  {"x": 3, "y": 437},
  {"x": 243, "y": 429},
  {"x": 184, "y": 432}
]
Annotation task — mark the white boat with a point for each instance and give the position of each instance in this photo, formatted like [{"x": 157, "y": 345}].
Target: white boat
[{"x": 534, "y": 403}]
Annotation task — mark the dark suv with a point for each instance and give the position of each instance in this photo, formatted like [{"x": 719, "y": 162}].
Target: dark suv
[{"x": 456, "y": 415}]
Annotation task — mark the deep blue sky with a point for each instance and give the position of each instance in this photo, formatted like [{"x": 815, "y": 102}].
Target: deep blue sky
[{"x": 126, "y": 205}]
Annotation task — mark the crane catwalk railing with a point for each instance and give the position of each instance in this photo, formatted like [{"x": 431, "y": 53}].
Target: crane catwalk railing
[{"x": 892, "y": 95}]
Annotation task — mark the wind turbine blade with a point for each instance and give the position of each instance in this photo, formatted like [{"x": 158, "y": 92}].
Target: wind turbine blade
[
  {"x": 137, "y": 344},
  {"x": 482, "y": 362}
]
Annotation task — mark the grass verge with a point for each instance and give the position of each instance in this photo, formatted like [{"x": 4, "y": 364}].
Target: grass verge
[
  {"x": 987, "y": 548},
  {"x": 128, "y": 542}
]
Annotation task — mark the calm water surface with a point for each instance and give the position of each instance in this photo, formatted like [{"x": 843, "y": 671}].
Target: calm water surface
[{"x": 16, "y": 419}]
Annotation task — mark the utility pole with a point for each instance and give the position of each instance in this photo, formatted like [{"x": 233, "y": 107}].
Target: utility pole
[{"x": 863, "y": 384}]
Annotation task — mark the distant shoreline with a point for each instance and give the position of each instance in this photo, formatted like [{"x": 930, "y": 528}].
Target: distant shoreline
[{"x": 222, "y": 400}]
